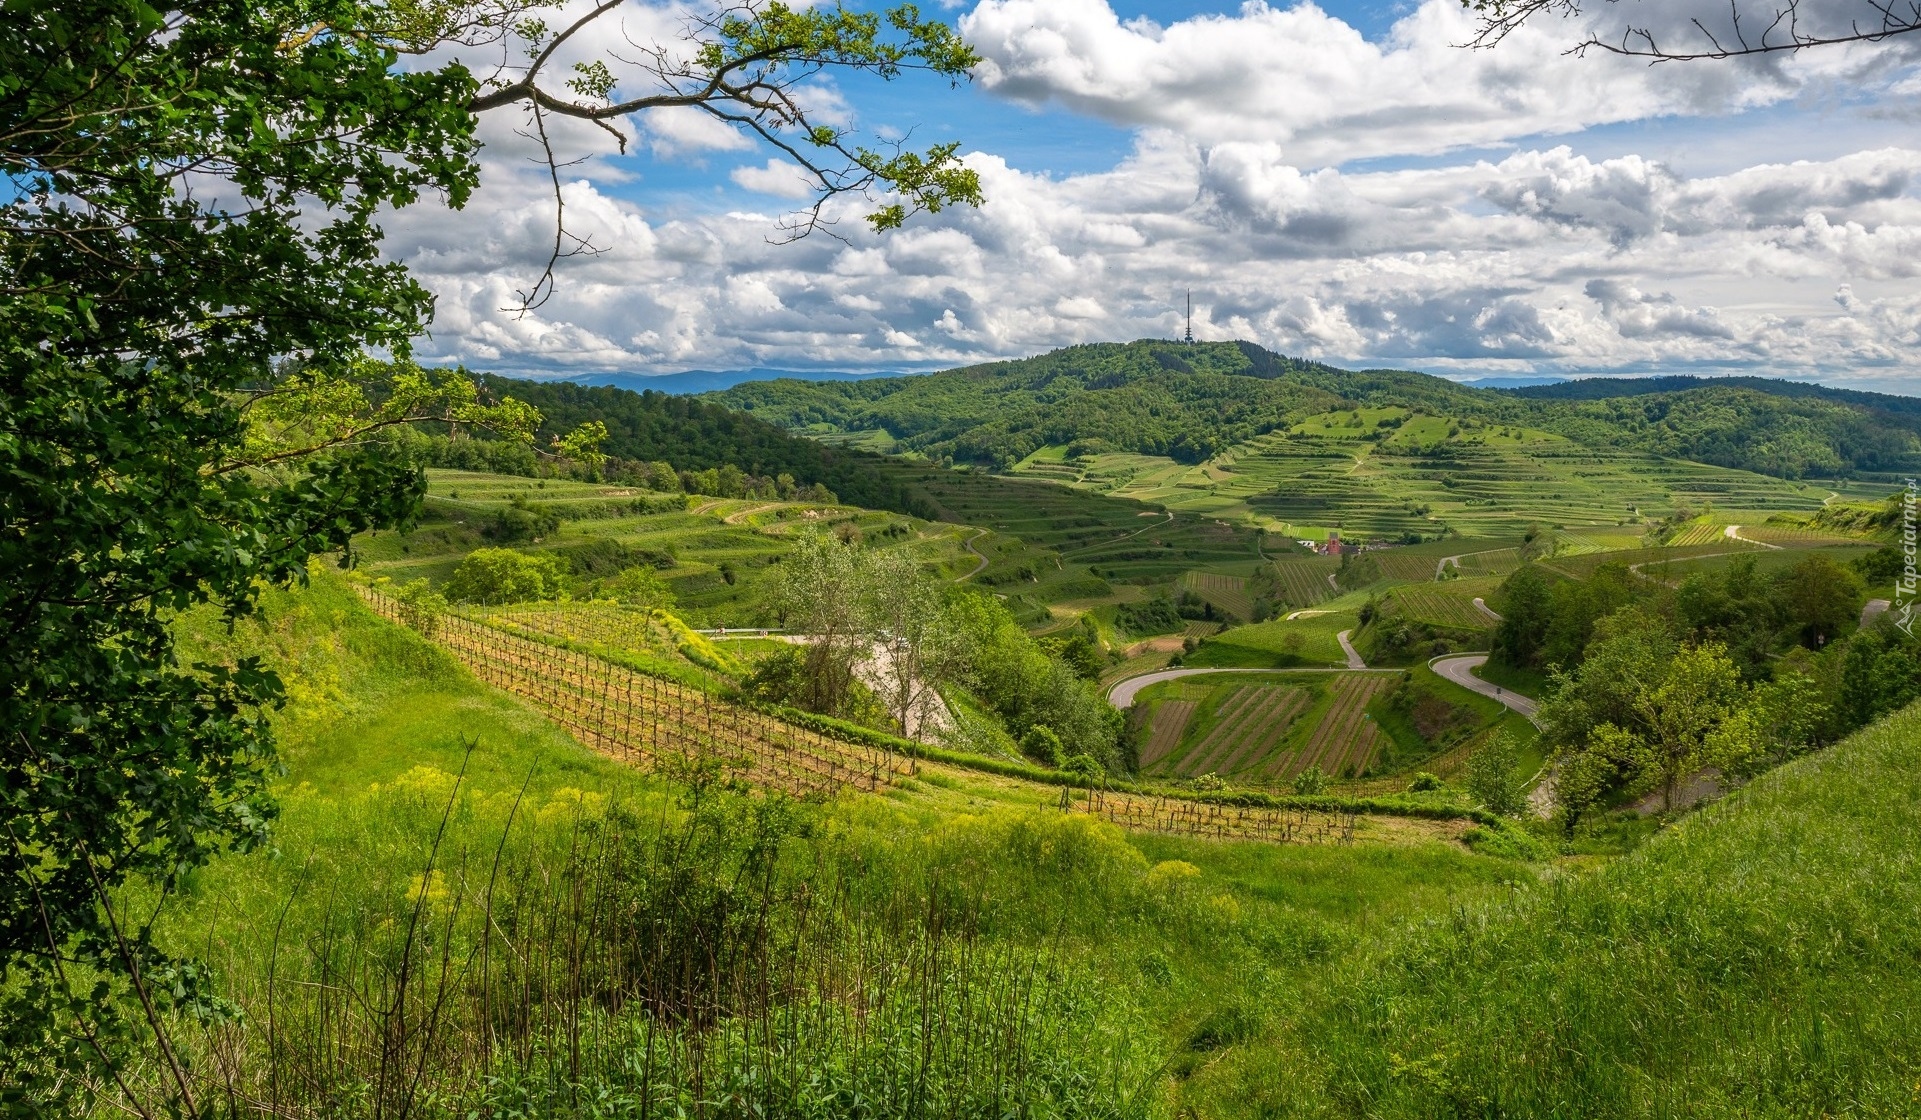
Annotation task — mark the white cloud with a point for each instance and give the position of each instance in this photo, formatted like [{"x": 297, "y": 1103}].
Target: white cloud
[
  {"x": 1299, "y": 77},
  {"x": 776, "y": 177},
  {"x": 1241, "y": 186}
]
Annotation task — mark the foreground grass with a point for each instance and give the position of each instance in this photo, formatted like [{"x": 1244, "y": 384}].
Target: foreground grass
[
  {"x": 414, "y": 797},
  {"x": 1757, "y": 960}
]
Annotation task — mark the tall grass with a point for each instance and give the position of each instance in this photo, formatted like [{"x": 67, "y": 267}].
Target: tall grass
[
  {"x": 520, "y": 928},
  {"x": 569, "y": 956},
  {"x": 1758, "y": 960}
]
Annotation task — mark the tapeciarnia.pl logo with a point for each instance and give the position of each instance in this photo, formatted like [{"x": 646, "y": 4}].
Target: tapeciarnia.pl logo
[{"x": 1905, "y": 583}]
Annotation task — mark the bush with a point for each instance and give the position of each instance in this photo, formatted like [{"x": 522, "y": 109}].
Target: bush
[
  {"x": 1149, "y": 616},
  {"x": 1424, "y": 782},
  {"x": 1494, "y": 777},
  {"x": 1311, "y": 781},
  {"x": 637, "y": 587},
  {"x": 519, "y": 521},
  {"x": 1041, "y": 744},
  {"x": 492, "y": 576}
]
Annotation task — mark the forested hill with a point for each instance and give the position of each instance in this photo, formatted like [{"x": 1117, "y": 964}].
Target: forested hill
[
  {"x": 1600, "y": 388},
  {"x": 1158, "y": 398},
  {"x": 695, "y": 435},
  {"x": 1190, "y": 402}
]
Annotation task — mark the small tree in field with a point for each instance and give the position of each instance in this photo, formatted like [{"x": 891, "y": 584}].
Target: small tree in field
[
  {"x": 1494, "y": 777},
  {"x": 639, "y": 587},
  {"x": 492, "y": 576},
  {"x": 917, "y": 646}
]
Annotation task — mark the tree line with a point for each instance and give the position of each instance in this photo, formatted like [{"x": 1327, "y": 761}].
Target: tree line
[{"x": 1733, "y": 669}]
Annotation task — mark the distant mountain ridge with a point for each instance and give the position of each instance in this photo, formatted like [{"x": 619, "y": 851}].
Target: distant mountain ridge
[{"x": 708, "y": 381}]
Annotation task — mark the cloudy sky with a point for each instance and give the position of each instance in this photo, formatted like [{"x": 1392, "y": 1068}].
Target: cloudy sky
[{"x": 1342, "y": 182}]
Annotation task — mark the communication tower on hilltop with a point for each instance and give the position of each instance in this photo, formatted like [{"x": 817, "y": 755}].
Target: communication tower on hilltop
[{"x": 1189, "y": 338}]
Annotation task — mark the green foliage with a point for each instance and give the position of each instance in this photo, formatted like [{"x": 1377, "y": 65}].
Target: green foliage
[
  {"x": 1010, "y": 671},
  {"x": 144, "y": 314},
  {"x": 641, "y": 588},
  {"x": 1189, "y": 403},
  {"x": 521, "y": 521},
  {"x": 1156, "y": 614},
  {"x": 1494, "y": 777},
  {"x": 1424, "y": 782},
  {"x": 696, "y": 437},
  {"x": 492, "y": 576},
  {"x": 1755, "y": 961},
  {"x": 1041, "y": 744},
  {"x": 1311, "y": 782}
]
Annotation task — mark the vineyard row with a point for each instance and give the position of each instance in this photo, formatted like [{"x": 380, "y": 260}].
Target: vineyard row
[{"x": 657, "y": 724}]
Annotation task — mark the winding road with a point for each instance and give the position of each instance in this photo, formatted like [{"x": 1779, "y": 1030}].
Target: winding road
[
  {"x": 1353, "y": 655},
  {"x": 1460, "y": 670}
]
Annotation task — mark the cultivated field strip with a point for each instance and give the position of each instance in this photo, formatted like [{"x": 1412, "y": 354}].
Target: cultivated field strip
[
  {"x": 1226, "y": 592},
  {"x": 1442, "y": 605},
  {"x": 1170, "y": 721},
  {"x": 1257, "y": 724},
  {"x": 1262, "y": 738},
  {"x": 1303, "y": 582},
  {"x": 656, "y": 724},
  {"x": 1215, "y": 821},
  {"x": 1344, "y": 737}
]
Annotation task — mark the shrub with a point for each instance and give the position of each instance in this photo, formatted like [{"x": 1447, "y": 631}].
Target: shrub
[
  {"x": 1424, "y": 782},
  {"x": 1494, "y": 777},
  {"x": 1041, "y": 744},
  {"x": 491, "y": 576},
  {"x": 1311, "y": 781},
  {"x": 520, "y": 521},
  {"x": 638, "y": 587}
]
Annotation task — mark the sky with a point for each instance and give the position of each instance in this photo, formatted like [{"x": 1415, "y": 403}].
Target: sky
[{"x": 1342, "y": 182}]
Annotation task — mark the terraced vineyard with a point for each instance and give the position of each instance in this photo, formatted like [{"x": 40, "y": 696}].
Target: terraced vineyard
[
  {"x": 654, "y": 723},
  {"x": 1448, "y": 604},
  {"x": 1790, "y": 535},
  {"x": 1346, "y": 741},
  {"x": 1583, "y": 566},
  {"x": 1229, "y": 593},
  {"x": 1489, "y": 482},
  {"x": 1691, "y": 535},
  {"x": 1304, "y": 582},
  {"x": 1253, "y": 722},
  {"x": 1164, "y": 733},
  {"x": 647, "y": 721}
]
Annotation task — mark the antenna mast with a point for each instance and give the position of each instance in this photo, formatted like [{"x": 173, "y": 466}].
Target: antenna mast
[{"x": 1189, "y": 340}]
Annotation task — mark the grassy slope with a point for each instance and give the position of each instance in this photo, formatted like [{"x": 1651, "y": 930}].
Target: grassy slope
[
  {"x": 1757, "y": 960},
  {"x": 380, "y": 721}
]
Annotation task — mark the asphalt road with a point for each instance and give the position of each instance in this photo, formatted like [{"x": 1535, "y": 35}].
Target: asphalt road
[
  {"x": 1460, "y": 670},
  {"x": 1123, "y": 693}
]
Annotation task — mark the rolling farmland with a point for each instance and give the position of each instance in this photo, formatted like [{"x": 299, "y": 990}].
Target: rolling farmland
[
  {"x": 1229, "y": 593},
  {"x": 1262, "y": 732},
  {"x": 1303, "y": 582}
]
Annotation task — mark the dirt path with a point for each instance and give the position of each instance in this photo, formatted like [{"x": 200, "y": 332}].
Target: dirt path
[
  {"x": 1353, "y": 655},
  {"x": 1460, "y": 670},
  {"x": 981, "y": 561},
  {"x": 739, "y": 516},
  {"x": 1733, "y": 533},
  {"x": 1458, "y": 557}
]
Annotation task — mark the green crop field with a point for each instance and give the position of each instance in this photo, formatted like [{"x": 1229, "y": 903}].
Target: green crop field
[{"x": 1449, "y": 604}]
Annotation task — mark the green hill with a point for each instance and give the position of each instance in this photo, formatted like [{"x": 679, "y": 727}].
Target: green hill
[{"x": 1189, "y": 403}]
